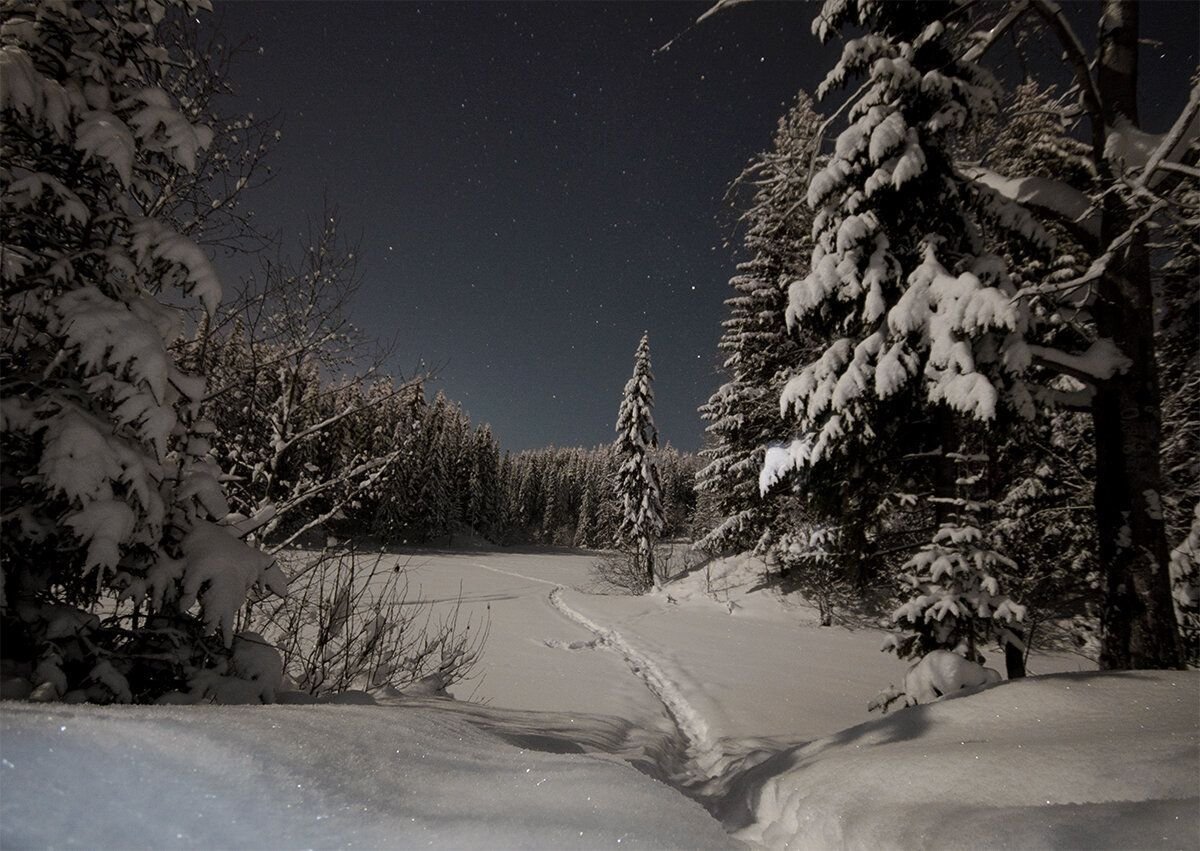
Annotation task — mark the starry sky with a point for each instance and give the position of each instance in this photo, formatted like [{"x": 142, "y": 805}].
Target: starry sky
[{"x": 532, "y": 185}]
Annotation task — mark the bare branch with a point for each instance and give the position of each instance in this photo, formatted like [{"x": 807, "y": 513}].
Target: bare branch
[{"x": 1053, "y": 15}]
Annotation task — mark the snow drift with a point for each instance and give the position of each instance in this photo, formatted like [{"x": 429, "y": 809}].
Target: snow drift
[
  {"x": 1065, "y": 761},
  {"x": 315, "y": 777}
]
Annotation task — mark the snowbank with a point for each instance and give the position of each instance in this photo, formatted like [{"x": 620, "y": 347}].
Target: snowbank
[
  {"x": 315, "y": 777},
  {"x": 1066, "y": 761}
]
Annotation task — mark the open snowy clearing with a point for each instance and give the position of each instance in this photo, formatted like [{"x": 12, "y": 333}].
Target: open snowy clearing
[{"x": 716, "y": 689}]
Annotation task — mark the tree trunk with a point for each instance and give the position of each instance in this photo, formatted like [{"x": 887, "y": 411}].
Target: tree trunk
[
  {"x": 1138, "y": 628},
  {"x": 1014, "y": 657}
]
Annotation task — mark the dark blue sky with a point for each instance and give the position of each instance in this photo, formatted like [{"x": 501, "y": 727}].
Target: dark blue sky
[{"x": 534, "y": 187}]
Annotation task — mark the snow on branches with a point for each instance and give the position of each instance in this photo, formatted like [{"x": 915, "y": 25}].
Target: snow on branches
[
  {"x": 900, "y": 279},
  {"x": 109, "y": 490},
  {"x": 637, "y": 487}
]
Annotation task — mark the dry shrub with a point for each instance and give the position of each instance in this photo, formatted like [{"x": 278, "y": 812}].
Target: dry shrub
[{"x": 348, "y": 623}]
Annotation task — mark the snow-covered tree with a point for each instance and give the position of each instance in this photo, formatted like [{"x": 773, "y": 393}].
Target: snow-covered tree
[
  {"x": 1141, "y": 182},
  {"x": 110, "y": 491},
  {"x": 585, "y": 527},
  {"x": 294, "y": 390},
  {"x": 637, "y": 486},
  {"x": 918, "y": 314},
  {"x": 743, "y": 414},
  {"x": 954, "y": 599},
  {"x": 484, "y": 503}
]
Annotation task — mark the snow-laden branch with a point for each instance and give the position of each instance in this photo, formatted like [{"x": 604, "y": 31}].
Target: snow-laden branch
[
  {"x": 1098, "y": 266},
  {"x": 719, "y": 6},
  {"x": 381, "y": 467},
  {"x": 1072, "y": 208},
  {"x": 1100, "y": 362},
  {"x": 375, "y": 466},
  {"x": 284, "y": 445},
  {"x": 1167, "y": 147}
]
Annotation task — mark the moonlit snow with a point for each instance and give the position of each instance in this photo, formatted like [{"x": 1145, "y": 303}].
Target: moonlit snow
[{"x": 595, "y": 718}]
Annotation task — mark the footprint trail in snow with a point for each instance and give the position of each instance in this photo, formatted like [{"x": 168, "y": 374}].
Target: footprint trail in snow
[
  {"x": 704, "y": 751},
  {"x": 701, "y": 747}
]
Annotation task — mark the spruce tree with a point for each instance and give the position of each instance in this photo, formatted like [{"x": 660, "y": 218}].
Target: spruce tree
[
  {"x": 917, "y": 313},
  {"x": 743, "y": 414},
  {"x": 109, "y": 488},
  {"x": 637, "y": 487}
]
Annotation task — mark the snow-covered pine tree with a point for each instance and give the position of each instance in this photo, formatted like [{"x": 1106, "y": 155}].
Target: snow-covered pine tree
[
  {"x": 919, "y": 316},
  {"x": 1041, "y": 470},
  {"x": 585, "y": 527},
  {"x": 677, "y": 482},
  {"x": 435, "y": 503},
  {"x": 637, "y": 486},
  {"x": 743, "y": 414},
  {"x": 1178, "y": 349},
  {"x": 954, "y": 600},
  {"x": 484, "y": 503},
  {"x": 109, "y": 490}
]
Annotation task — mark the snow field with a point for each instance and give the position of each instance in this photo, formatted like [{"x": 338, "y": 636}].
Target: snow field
[
  {"x": 399, "y": 776},
  {"x": 720, "y": 689}
]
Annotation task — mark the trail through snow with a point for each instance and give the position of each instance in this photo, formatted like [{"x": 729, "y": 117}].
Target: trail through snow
[
  {"x": 702, "y": 750},
  {"x": 700, "y": 746}
]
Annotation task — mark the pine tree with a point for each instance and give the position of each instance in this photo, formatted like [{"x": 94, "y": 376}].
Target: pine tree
[
  {"x": 637, "y": 486},
  {"x": 954, "y": 598},
  {"x": 584, "y": 529},
  {"x": 435, "y": 500},
  {"x": 743, "y": 414},
  {"x": 918, "y": 314},
  {"x": 109, "y": 488},
  {"x": 484, "y": 498}
]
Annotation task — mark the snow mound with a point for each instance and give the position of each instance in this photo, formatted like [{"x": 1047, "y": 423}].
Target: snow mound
[
  {"x": 330, "y": 776},
  {"x": 1066, "y": 761}
]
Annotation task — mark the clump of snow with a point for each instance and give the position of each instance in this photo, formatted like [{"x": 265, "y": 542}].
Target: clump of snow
[
  {"x": 939, "y": 673},
  {"x": 219, "y": 570},
  {"x": 253, "y": 674}
]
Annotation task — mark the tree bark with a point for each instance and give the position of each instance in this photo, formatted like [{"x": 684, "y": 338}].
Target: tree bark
[
  {"x": 1138, "y": 628},
  {"x": 1014, "y": 657}
]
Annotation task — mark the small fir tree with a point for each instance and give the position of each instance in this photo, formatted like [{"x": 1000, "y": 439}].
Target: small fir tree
[{"x": 954, "y": 600}]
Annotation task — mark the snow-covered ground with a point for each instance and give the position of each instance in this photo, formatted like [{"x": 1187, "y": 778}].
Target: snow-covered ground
[{"x": 719, "y": 691}]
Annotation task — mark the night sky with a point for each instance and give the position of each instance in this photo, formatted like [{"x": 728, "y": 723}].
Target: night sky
[{"x": 533, "y": 186}]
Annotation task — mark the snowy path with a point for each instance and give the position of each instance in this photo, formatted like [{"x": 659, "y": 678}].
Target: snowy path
[{"x": 699, "y": 745}]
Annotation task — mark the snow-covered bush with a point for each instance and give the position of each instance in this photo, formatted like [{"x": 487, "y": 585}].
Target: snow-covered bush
[
  {"x": 350, "y": 623},
  {"x": 112, "y": 506},
  {"x": 621, "y": 569},
  {"x": 935, "y": 675}
]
